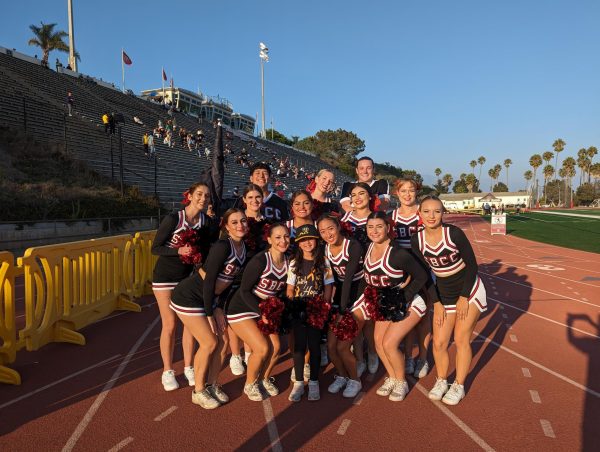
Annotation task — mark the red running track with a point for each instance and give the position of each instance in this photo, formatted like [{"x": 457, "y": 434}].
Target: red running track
[{"x": 534, "y": 385}]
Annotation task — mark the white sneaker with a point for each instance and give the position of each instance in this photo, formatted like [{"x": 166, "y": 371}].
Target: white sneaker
[
  {"x": 421, "y": 369},
  {"x": 313, "y": 391},
  {"x": 306, "y": 372},
  {"x": 439, "y": 389},
  {"x": 252, "y": 390},
  {"x": 373, "y": 362},
  {"x": 269, "y": 386},
  {"x": 189, "y": 374},
  {"x": 297, "y": 392},
  {"x": 218, "y": 393},
  {"x": 169, "y": 381},
  {"x": 338, "y": 384},
  {"x": 205, "y": 399},
  {"x": 387, "y": 387},
  {"x": 361, "y": 366},
  {"x": 353, "y": 387},
  {"x": 324, "y": 357},
  {"x": 454, "y": 395},
  {"x": 399, "y": 392},
  {"x": 409, "y": 366},
  {"x": 236, "y": 364}
]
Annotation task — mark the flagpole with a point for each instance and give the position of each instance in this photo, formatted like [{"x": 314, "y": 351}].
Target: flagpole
[
  {"x": 162, "y": 77},
  {"x": 123, "y": 67}
]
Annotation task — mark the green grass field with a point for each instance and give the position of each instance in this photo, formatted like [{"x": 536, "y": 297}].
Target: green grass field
[
  {"x": 570, "y": 232},
  {"x": 582, "y": 211}
]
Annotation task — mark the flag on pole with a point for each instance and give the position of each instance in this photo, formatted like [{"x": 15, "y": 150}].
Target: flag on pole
[
  {"x": 215, "y": 175},
  {"x": 126, "y": 58},
  {"x": 172, "y": 83},
  {"x": 164, "y": 75}
]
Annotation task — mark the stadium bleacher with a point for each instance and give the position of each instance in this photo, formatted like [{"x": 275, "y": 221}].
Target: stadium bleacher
[{"x": 33, "y": 98}]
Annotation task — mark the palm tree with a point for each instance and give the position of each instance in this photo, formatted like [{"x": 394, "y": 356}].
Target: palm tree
[
  {"x": 562, "y": 173},
  {"x": 473, "y": 164},
  {"x": 48, "y": 40},
  {"x": 535, "y": 161},
  {"x": 569, "y": 165},
  {"x": 447, "y": 180},
  {"x": 492, "y": 175},
  {"x": 528, "y": 175},
  {"x": 437, "y": 172},
  {"x": 591, "y": 152},
  {"x": 559, "y": 146},
  {"x": 548, "y": 174},
  {"x": 582, "y": 159},
  {"x": 481, "y": 161},
  {"x": 547, "y": 156},
  {"x": 470, "y": 181},
  {"x": 595, "y": 173},
  {"x": 507, "y": 163}
]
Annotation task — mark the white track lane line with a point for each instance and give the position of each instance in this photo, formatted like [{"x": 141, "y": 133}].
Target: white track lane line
[
  {"x": 43, "y": 388},
  {"x": 164, "y": 414},
  {"x": 547, "y": 428},
  {"x": 121, "y": 445},
  {"x": 271, "y": 426},
  {"x": 453, "y": 417},
  {"x": 540, "y": 366},
  {"x": 344, "y": 426},
  {"x": 544, "y": 318},
  {"x": 526, "y": 372},
  {"x": 535, "y": 396},
  {"x": 106, "y": 389},
  {"x": 529, "y": 286}
]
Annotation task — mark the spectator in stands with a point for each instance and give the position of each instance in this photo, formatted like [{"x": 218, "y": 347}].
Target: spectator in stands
[
  {"x": 160, "y": 124},
  {"x": 364, "y": 172},
  {"x": 111, "y": 123},
  {"x": 69, "y": 67},
  {"x": 236, "y": 191},
  {"x": 105, "y": 121},
  {"x": 207, "y": 153},
  {"x": 182, "y": 137},
  {"x": 138, "y": 121},
  {"x": 199, "y": 137},
  {"x": 151, "y": 145},
  {"x": 168, "y": 139},
  {"x": 274, "y": 208},
  {"x": 70, "y": 102},
  {"x": 145, "y": 143},
  {"x": 58, "y": 65},
  {"x": 190, "y": 142}
]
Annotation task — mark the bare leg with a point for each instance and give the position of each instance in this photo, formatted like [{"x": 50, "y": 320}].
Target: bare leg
[
  {"x": 441, "y": 339},
  {"x": 424, "y": 334},
  {"x": 379, "y": 334},
  {"x": 334, "y": 357},
  {"x": 395, "y": 333},
  {"x": 167, "y": 334},
  {"x": 273, "y": 356},
  {"x": 248, "y": 331},
  {"x": 463, "y": 333}
]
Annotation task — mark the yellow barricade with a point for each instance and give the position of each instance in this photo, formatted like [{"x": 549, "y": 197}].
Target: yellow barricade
[
  {"x": 142, "y": 263},
  {"x": 71, "y": 285},
  {"x": 8, "y": 331}
]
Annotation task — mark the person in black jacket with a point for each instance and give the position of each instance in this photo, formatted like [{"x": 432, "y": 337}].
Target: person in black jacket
[
  {"x": 460, "y": 297},
  {"x": 265, "y": 276},
  {"x": 274, "y": 208},
  {"x": 196, "y": 302},
  {"x": 170, "y": 270}
]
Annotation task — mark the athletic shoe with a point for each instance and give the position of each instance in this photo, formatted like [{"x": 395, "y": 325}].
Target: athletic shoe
[
  {"x": 338, "y": 384},
  {"x": 353, "y": 387},
  {"x": 189, "y": 374},
  {"x": 252, "y": 390},
  {"x": 306, "y": 372},
  {"x": 409, "y": 366},
  {"x": 269, "y": 386},
  {"x": 236, "y": 364},
  {"x": 218, "y": 393},
  {"x": 399, "y": 392},
  {"x": 439, "y": 389},
  {"x": 324, "y": 357},
  {"x": 387, "y": 387},
  {"x": 361, "y": 366},
  {"x": 421, "y": 369},
  {"x": 169, "y": 381},
  {"x": 297, "y": 392},
  {"x": 454, "y": 395},
  {"x": 205, "y": 400},
  {"x": 373, "y": 362},
  {"x": 313, "y": 391}
]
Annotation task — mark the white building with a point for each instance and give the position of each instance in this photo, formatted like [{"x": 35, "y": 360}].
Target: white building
[{"x": 466, "y": 201}]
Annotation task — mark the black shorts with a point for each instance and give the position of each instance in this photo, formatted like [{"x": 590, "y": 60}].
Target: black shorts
[
  {"x": 170, "y": 269},
  {"x": 354, "y": 294},
  {"x": 237, "y": 310}
]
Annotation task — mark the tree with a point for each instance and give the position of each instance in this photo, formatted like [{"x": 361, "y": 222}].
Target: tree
[
  {"x": 48, "y": 40},
  {"x": 507, "y": 163},
  {"x": 278, "y": 137},
  {"x": 459, "y": 186},
  {"x": 583, "y": 162},
  {"x": 447, "y": 180},
  {"x": 473, "y": 164},
  {"x": 471, "y": 182},
  {"x": 336, "y": 147},
  {"x": 437, "y": 172},
  {"x": 535, "y": 161},
  {"x": 591, "y": 152},
  {"x": 559, "y": 146},
  {"x": 547, "y": 156},
  {"x": 528, "y": 175},
  {"x": 569, "y": 172},
  {"x": 548, "y": 172},
  {"x": 481, "y": 161},
  {"x": 585, "y": 194},
  {"x": 295, "y": 139},
  {"x": 500, "y": 187}
]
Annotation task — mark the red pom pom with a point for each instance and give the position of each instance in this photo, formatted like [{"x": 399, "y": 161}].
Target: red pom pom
[
  {"x": 374, "y": 203},
  {"x": 185, "y": 201},
  {"x": 346, "y": 329},
  {"x": 371, "y": 301},
  {"x": 346, "y": 229},
  {"x": 317, "y": 312},
  {"x": 266, "y": 231},
  {"x": 311, "y": 186},
  {"x": 317, "y": 209},
  {"x": 272, "y": 310},
  {"x": 250, "y": 238},
  {"x": 192, "y": 238}
]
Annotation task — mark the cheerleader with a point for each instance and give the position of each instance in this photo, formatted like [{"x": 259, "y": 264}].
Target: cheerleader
[
  {"x": 264, "y": 276},
  {"x": 193, "y": 301},
  {"x": 252, "y": 198},
  {"x": 309, "y": 277},
  {"x": 406, "y": 220},
  {"x": 460, "y": 298},
  {"x": 170, "y": 270},
  {"x": 345, "y": 257},
  {"x": 320, "y": 189},
  {"x": 302, "y": 208},
  {"x": 355, "y": 222},
  {"x": 394, "y": 279}
]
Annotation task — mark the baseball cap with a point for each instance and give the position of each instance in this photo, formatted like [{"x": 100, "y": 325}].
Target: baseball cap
[{"x": 306, "y": 231}]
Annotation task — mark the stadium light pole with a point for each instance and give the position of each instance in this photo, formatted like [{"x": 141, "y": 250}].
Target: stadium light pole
[
  {"x": 72, "y": 59},
  {"x": 264, "y": 58}
]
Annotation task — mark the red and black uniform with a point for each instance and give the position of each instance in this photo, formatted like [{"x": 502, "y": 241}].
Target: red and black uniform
[
  {"x": 357, "y": 228},
  {"x": 348, "y": 273},
  {"x": 379, "y": 187},
  {"x": 323, "y": 207},
  {"x": 405, "y": 227},
  {"x": 196, "y": 296},
  {"x": 454, "y": 265},
  {"x": 261, "y": 280},
  {"x": 169, "y": 269},
  {"x": 388, "y": 276}
]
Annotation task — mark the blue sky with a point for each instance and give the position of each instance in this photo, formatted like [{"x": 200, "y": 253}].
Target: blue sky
[{"x": 425, "y": 84}]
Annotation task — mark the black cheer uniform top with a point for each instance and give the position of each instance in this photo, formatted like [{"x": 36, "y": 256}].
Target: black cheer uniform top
[
  {"x": 169, "y": 267},
  {"x": 452, "y": 261},
  {"x": 222, "y": 264},
  {"x": 261, "y": 280},
  {"x": 404, "y": 227},
  {"x": 358, "y": 226},
  {"x": 348, "y": 272},
  {"x": 379, "y": 187}
]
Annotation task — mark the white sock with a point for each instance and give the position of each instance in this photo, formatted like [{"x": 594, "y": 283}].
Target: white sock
[{"x": 246, "y": 356}]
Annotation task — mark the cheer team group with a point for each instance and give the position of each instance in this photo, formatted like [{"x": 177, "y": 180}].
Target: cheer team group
[{"x": 341, "y": 281}]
